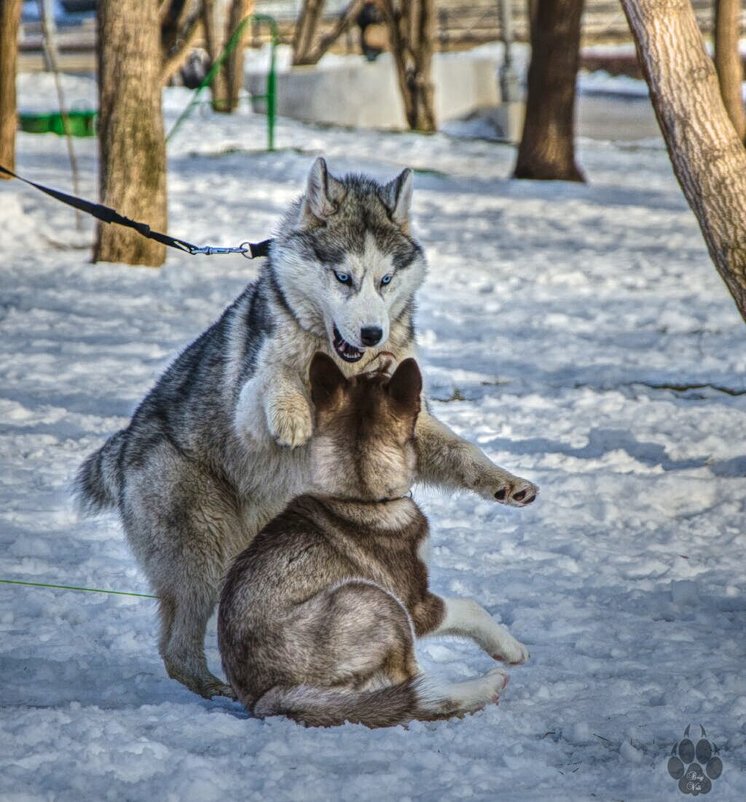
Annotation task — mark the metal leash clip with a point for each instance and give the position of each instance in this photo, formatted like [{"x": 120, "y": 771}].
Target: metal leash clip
[{"x": 209, "y": 250}]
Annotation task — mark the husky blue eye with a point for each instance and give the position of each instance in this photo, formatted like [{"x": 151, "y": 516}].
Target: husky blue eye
[
  {"x": 386, "y": 279},
  {"x": 343, "y": 278}
]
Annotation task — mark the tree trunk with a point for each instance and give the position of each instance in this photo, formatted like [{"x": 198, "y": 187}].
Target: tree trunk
[
  {"x": 10, "y": 16},
  {"x": 181, "y": 25},
  {"x": 728, "y": 60},
  {"x": 133, "y": 153},
  {"x": 314, "y": 49},
  {"x": 547, "y": 149},
  {"x": 214, "y": 22},
  {"x": 305, "y": 31},
  {"x": 707, "y": 155},
  {"x": 412, "y": 33},
  {"x": 233, "y": 66}
]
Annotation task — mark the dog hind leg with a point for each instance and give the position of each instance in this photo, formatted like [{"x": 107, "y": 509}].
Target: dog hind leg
[
  {"x": 350, "y": 652},
  {"x": 355, "y": 634},
  {"x": 468, "y": 618},
  {"x": 183, "y": 528},
  {"x": 439, "y": 700},
  {"x": 367, "y": 673},
  {"x": 182, "y": 643}
]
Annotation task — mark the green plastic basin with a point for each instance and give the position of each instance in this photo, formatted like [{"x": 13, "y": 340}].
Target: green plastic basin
[{"x": 76, "y": 123}]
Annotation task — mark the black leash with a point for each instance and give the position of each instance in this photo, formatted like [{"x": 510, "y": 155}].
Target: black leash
[{"x": 250, "y": 250}]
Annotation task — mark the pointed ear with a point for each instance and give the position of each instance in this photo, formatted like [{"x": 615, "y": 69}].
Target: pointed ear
[
  {"x": 323, "y": 194},
  {"x": 397, "y": 196},
  {"x": 326, "y": 380},
  {"x": 405, "y": 386}
]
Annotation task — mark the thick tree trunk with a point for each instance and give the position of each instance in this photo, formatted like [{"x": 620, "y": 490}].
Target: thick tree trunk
[
  {"x": 133, "y": 153},
  {"x": 10, "y": 16},
  {"x": 728, "y": 60},
  {"x": 707, "y": 155},
  {"x": 412, "y": 33},
  {"x": 547, "y": 149}
]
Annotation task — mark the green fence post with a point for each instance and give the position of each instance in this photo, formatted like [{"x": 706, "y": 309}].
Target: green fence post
[{"x": 270, "y": 95}]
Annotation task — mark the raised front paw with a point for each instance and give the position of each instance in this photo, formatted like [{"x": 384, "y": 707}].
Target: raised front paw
[
  {"x": 290, "y": 423},
  {"x": 516, "y": 492}
]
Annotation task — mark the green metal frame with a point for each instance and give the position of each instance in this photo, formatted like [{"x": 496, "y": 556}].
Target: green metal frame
[{"x": 270, "y": 95}]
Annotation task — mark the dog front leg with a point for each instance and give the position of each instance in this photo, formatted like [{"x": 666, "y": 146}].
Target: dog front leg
[
  {"x": 443, "y": 458},
  {"x": 288, "y": 411},
  {"x": 276, "y": 406}
]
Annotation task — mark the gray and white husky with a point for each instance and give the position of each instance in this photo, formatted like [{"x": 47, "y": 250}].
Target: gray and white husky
[
  {"x": 318, "y": 616},
  {"x": 218, "y": 447}
]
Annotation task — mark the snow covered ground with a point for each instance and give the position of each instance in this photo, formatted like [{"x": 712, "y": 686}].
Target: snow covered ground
[{"x": 579, "y": 334}]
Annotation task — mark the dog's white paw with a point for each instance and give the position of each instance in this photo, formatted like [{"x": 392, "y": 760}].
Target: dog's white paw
[
  {"x": 509, "y": 650},
  {"x": 291, "y": 428},
  {"x": 495, "y": 681}
]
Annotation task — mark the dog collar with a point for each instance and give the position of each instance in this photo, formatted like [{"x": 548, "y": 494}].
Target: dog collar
[{"x": 389, "y": 500}]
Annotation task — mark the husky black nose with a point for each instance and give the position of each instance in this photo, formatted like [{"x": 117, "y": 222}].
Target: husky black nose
[{"x": 371, "y": 335}]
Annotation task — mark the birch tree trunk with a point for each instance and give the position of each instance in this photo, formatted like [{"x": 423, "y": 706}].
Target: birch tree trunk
[
  {"x": 705, "y": 151},
  {"x": 133, "y": 154},
  {"x": 547, "y": 149},
  {"x": 411, "y": 26},
  {"x": 10, "y": 16},
  {"x": 727, "y": 32}
]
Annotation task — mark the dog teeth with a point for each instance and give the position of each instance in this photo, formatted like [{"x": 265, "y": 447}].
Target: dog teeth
[{"x": 348, "y": 352}]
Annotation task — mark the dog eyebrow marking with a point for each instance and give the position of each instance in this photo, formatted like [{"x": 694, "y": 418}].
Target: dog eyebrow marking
[
  {"x": 315, "y": 248},
  {"x": 402, "y": 258},
  {"x": 400, "y": 248},
  {"x": 331, "y": 255}
]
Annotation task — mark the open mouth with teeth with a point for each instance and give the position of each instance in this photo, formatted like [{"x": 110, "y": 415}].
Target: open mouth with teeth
[{"x": 346, "y": 351}]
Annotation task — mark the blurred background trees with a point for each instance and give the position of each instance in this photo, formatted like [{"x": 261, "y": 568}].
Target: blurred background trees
[
  {"x": 309, "y": 45},
  {"x": 181, "y": 29},
  {"x": 411, "y": 25},
  {"x": 187, "y": 23},
  {"x": 220, "y": 19},
  {"x": 411, "y": 37},
  {"x": 131, "y": 128}
]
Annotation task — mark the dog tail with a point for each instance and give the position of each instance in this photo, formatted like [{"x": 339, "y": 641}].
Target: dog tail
[
  {"x": 98, "y": 482},
  {"x": 419, "y": 698}
]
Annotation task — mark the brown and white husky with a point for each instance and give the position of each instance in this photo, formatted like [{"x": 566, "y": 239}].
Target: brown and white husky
[{"x": 318, "y": 616}]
